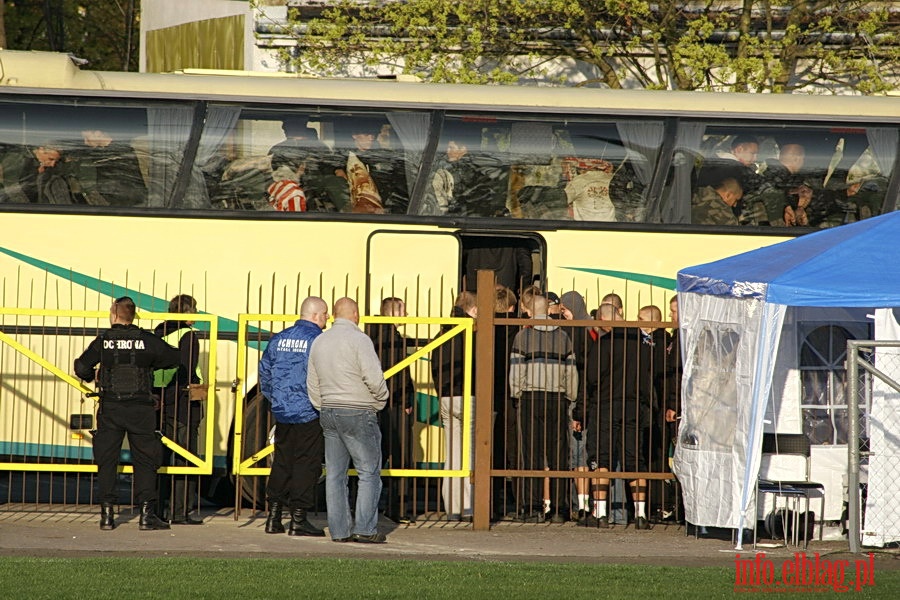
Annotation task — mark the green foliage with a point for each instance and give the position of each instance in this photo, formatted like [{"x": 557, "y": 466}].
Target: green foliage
[
  {"x": 738, "y": 45},
  {"x": 106, "y": 33}
]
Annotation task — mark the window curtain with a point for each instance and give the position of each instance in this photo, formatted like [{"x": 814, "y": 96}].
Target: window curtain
[
  {"x": 220, "y": 123},
  {"x": 412, "y": 131},
  {"x": 883, "y": 142},
  {"x": 677, "y": 208},
  {"x": 642, "y": 139},
  {"x": 169, "y": 129}
]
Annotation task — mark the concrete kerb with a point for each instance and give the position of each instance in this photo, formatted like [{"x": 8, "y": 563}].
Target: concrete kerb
[{"x": 75, "y": 533}]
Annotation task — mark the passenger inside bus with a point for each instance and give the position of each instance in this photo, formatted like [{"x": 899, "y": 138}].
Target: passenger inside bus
[
  {"x": 373, "y": 169},
  {"x": 588, "y": 189},
  {"x": 714, "y": 204},
  {"x": 462, "y": 183},
  {"x": 36, "y": 175},
  {"x": 783, "y": 193},
  {"x": 298, "y": 163},
  {"x": 105, "y": 171},
  {"x": 738, "y": 162}
]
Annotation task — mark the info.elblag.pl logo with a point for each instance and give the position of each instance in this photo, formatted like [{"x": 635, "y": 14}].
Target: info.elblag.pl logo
[{"x": 802, "y": 574}]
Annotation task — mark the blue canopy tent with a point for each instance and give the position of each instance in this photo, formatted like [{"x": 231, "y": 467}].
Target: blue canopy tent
[{"x": 732, "y": 314}]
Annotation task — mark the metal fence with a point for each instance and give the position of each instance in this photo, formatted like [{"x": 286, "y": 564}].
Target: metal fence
[
  {"x": 873, "y": 384},
  {"x": 512, "y": 455}
]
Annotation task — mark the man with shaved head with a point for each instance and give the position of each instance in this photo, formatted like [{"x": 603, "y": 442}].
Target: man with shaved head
[
  {"x": 299, "y": 445},
  {"x": 347, "y": 385},
  {"x": 615, "y": 387}
]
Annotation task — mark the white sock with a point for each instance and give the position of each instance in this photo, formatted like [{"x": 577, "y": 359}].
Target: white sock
[
  {"x": 639, "y": 508},
  {"x": 600, "y": 508},
  {"x": 546, "y": 505},
  {"x": 584, "y": 501}
]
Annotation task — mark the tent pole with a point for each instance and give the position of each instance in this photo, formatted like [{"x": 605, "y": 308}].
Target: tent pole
[{"x": 853, "y": 525}]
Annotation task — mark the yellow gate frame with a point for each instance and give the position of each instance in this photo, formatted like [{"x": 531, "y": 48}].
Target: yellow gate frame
[
  {"x": 460, "y": 325},
  {"x": 200, "y": 466}
]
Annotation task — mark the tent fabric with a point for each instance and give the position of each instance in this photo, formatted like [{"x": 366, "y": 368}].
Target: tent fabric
[
  {"x": 721, "y": 435},
  {"x": 748, "y": 295},
  {"x": 843, "y": 266},
  {"x": 881, "y": 518}
]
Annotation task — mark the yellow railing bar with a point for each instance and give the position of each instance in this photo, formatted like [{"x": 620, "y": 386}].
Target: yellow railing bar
[{"x": 33, "y": 356}]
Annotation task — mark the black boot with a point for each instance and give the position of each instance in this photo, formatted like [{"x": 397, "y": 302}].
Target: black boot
[
  {"x": 300, "y": 526},
  {"x": 106, "y": 517},
  {"x": 273, "y": 521},
  {"x": 149, "y": 521}
]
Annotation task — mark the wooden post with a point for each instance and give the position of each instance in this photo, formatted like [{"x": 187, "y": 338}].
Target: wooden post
[{"x": 484, "y": 401}]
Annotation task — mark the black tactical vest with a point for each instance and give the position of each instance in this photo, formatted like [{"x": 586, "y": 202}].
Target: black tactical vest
[{"x": 120, "y": 377}]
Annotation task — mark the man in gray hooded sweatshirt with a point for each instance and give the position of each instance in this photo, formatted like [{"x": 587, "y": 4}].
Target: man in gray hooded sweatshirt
[{"x": 543, "y": 377}]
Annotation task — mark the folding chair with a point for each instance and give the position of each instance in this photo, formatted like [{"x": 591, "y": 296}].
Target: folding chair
[{"x": 788, "y": 454}]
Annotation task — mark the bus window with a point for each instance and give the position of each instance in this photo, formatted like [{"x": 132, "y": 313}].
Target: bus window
[
  {"x": 543, "y": 169},
  {"x": 67, "y": 154},
  {"x": 264, "y": 159},
  {"x": 797, "y": 176}
]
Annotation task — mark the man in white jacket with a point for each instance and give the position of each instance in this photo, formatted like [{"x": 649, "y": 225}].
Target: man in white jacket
[{"x": 346, "y": 384}]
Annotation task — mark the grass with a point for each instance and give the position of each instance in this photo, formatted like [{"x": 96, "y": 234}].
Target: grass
[{"x": 349, "y": 579}]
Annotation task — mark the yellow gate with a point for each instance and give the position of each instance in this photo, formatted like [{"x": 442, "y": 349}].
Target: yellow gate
[{"x": 46, "y": 414}]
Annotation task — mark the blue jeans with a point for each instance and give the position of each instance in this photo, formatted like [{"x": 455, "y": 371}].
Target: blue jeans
[{"x": 351, "y": 435}]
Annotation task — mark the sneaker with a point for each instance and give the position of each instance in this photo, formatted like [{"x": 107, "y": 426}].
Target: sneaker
[
  {"x": 558, "y": 518},
  {"x": 375, "y": 538},
  {"x": 641, "y": 523}
]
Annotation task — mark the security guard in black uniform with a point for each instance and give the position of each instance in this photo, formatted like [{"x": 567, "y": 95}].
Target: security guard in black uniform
[{"x": 127, "y": 356}]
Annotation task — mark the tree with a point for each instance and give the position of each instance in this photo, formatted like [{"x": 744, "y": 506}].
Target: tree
[
  {"x": 737, "y": 45},
  {"x": 103, "y": 32}
]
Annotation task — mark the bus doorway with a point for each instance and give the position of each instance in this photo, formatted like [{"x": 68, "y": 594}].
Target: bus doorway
[{"x": 517, "y": 259}]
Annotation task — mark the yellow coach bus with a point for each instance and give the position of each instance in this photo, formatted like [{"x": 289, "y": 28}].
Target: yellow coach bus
[{"x": 251, "y": 192}]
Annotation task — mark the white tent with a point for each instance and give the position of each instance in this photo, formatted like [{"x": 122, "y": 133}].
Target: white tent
[{"x": 738, "y": 378}]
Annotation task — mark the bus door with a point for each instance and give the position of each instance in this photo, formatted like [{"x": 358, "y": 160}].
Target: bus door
[
  {"x": 517, "y": 259},
  {"x": 419, "y": 267},
  {"x": 422, "y": 269}
]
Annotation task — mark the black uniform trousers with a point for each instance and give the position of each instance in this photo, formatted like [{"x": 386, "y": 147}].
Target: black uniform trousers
[
  {"x": 297, "y": 464},
  {"x": 138, "y": 420},
  {"x": 614, "y": 435},
  {"x": 545, "y": 437}
]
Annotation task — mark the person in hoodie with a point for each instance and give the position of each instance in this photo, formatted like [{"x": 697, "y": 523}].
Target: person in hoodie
[
  {"x": 447, "y": 368},
  {"x": 180, "y": 390},
  {"x": 299, "y": 442},
  {"x": 543, "y": 377}
]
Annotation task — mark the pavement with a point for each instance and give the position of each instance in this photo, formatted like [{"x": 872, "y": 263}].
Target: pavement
[{"x": 74, "y": 532}]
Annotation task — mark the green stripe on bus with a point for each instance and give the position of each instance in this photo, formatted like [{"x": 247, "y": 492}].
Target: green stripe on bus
[
  {"x": 662, "y": 282},
  {"x": 143, "y": 301}
]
